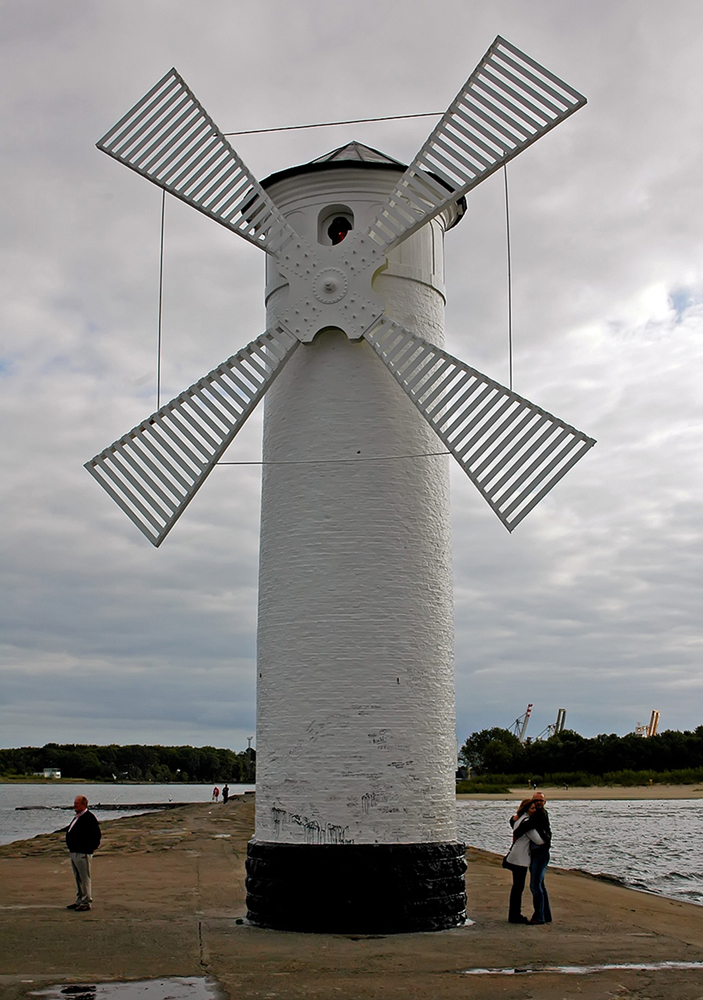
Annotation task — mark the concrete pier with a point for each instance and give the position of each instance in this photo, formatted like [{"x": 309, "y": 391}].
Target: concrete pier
[{"x": 169, "y": 894}]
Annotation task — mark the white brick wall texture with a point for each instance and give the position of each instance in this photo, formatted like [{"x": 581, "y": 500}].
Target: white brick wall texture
[{"x": 355, "y": 703}]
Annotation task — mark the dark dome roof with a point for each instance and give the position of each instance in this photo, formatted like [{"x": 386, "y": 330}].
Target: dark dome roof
[{"x": 354, "y": 154}]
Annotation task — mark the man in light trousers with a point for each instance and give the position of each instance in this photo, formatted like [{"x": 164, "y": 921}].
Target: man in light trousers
[{"x": 82, "y": 839}]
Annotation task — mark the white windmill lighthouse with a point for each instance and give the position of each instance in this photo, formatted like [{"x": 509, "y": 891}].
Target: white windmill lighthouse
[{"x": 355, "y": 811}]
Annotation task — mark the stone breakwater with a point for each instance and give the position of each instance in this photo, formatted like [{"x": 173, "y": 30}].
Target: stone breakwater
[{"x": 170, "y": 901}]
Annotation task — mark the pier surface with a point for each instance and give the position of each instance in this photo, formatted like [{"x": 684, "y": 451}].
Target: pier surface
[{"x": 169, "y": 891}]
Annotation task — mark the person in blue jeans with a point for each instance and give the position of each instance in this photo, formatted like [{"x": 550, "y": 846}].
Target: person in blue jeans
[
  {"x": 539, "y": 859},
  {"x": 518, "y": 858}
]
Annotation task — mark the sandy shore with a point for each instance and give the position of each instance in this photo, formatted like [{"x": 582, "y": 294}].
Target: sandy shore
[
  {"x": 169, "y": 892},
  {"x": 600, "y": 792}
]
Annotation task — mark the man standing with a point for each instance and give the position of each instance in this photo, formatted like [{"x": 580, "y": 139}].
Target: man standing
[
  {"x": 82, "y": 839},
  {"x": 539, "y": 859}
]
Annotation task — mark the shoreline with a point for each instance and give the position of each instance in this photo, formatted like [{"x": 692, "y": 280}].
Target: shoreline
[
  {"x": 41, "y": 780},
  {"x": 694, "y": 791},
  {"x": 592, "y": 792},
  {"x": 169, "y": 900}
]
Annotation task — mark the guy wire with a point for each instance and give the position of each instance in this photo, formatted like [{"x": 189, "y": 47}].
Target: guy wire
[
  {"x": 161, "y": 301},
  {"x": 338, "y": 461},
  {"x": 510, "y": 279},
  {"x": 350, "y": 121}
]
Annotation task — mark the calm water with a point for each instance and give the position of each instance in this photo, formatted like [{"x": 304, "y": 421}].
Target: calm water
[
  {"x": 20, "y": 825},
  {"x": 649, "y": 845}
]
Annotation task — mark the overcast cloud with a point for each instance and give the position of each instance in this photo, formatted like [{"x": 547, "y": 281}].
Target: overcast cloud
[{"x": 593, "y": 604}]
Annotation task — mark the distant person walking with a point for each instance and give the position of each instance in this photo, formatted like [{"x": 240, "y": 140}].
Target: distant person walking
[
  {"x": 518, "y": 858},
  {"x": 216, "y": 794},
  {"x": 539, "y": 859},
  {"x": 225, "y": 793},
  {"x": 82, "y": 840}
]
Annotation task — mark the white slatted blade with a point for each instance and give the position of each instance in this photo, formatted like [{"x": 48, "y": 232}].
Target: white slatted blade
[
  {"x": 513, "y": 451},
  {"x": 169, "y": 138},
  {"x": 155, "y": 470},
  {"x": 508, "y": 102}
]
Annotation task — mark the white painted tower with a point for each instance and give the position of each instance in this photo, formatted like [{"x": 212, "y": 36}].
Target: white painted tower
[{"x": 355, "y": 720}]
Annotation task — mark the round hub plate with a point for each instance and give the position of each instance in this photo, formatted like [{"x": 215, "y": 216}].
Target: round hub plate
[{"x": 330, "y": 285}]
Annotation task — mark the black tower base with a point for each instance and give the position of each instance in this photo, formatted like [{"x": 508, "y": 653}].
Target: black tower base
[{"x": 356, "y": 888}]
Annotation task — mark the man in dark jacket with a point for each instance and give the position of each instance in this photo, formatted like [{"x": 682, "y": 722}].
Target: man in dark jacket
[
  {"x": 539, "y": 859},
  {"x": 82, "y": 839}
]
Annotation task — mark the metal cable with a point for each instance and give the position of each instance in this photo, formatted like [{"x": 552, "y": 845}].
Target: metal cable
[
  {"x": 350, "y": 121},
  {"x": 510, "y": 278},
  {"x": 338, "y": 461},
  {"x": 161, "y": 301}
]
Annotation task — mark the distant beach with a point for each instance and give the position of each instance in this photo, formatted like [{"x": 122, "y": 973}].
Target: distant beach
[{"x": 599, "y": 792}]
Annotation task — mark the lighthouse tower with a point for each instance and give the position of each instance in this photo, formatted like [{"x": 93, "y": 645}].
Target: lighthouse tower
[
  {"x": 356, "y": 747},
  {"x": 355, "y": 817}
]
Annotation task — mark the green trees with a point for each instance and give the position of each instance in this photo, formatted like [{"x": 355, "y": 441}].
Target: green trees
[
  {"x": 492, "y": 751},
  {"x": 567, "y": 756},
  {"x": 498, "y": 752},
  {"x": 135, "y": 763}
]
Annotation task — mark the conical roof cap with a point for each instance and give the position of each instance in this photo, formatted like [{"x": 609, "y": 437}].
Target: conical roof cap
[
  {"x": 353, "y": 154},
  {"x": 358, "y": 152}
]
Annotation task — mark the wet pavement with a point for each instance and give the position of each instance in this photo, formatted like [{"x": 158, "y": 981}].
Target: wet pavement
[
  {"x": 178, "y": 988},
  {"x": 169, "y": 914}
]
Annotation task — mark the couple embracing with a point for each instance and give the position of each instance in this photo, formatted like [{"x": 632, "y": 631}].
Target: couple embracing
[{"x": 532, "y": 837}]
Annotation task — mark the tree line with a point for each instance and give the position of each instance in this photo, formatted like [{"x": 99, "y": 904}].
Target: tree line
[
  {"x": 131, "y": 763},
  {"x": 567, "y": 755}
]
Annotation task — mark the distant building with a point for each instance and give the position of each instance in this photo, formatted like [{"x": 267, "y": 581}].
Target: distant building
[{"x": 52, "y": 772}]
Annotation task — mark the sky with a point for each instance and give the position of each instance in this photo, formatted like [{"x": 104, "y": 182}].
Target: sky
[{"x": 593, "y": 604}]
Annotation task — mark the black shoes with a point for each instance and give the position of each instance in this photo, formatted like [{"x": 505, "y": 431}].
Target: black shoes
[{"x": 518, "y": 920}]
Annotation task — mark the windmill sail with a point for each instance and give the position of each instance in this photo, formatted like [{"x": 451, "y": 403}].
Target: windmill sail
[
  {"x": 508, "y": 102},
  {"x": 169, "y": 138},
  {"x": 155, "y": 470},
  {"x": 513, "y": 451}
]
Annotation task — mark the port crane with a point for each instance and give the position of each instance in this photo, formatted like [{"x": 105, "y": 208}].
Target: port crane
[
  {"x": 651, "y": 729},
  {"x": 519, "y": 727},
  {"x": 554, "y": 728}
]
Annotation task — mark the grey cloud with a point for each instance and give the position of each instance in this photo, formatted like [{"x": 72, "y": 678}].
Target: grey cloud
[{"x": 594, "y": 603}]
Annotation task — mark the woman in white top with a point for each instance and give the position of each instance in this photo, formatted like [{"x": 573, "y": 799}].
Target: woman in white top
[{"x": 517, "y": 860}]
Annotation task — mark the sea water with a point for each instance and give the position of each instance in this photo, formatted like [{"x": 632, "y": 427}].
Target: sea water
[
  {"x": 57, "y": 801},
  {"x": 648, "y": 845}
]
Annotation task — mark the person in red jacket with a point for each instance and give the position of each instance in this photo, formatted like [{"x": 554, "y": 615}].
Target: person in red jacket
[{"x": 82, "y": 840}]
